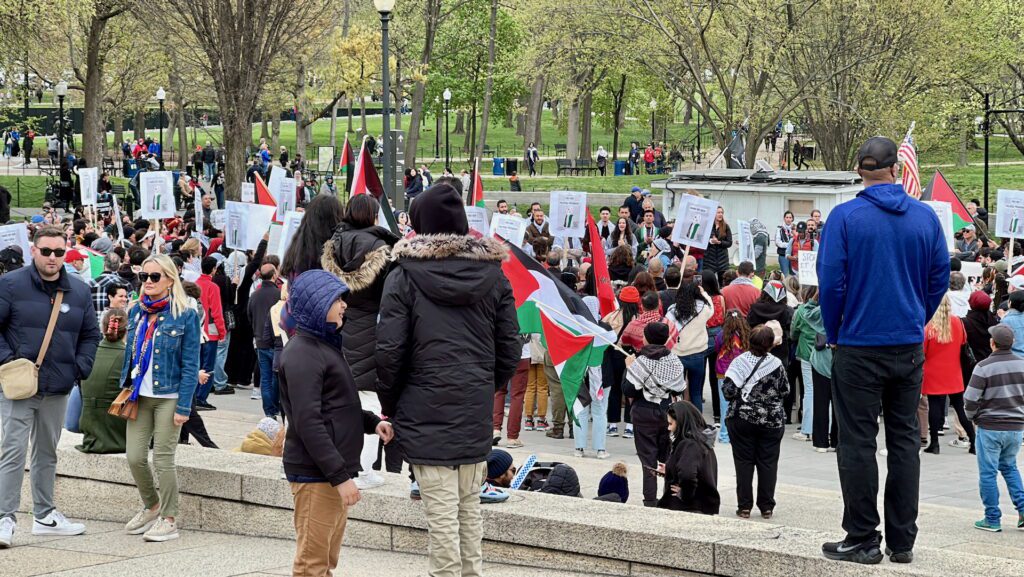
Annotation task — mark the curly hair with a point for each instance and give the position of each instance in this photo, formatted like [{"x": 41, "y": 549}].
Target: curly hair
[
  {"x": 621, "y": 256},
  {"x": 686, "y": 300}
]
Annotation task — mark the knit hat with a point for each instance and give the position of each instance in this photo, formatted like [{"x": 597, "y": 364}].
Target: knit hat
[
  {"x": 439, "y": 210},
  {"x": 776, "y": 290},
  {"x": 310, "y": 296},
  {"x": 498, "y": 463},
  {"x": 270, "y": 427},
  {"x": 102, "y": 245},
  {"x": 979, "y": 301},
  {"x": 629, "y": 294},
  {"x": 615, "y": 481},
  {"x": 656, "y": 333}
]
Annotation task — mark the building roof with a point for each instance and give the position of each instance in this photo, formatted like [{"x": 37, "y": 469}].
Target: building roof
[{"x": 746, "y": 180}]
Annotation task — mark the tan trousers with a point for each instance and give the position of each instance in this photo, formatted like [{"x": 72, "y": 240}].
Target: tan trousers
[
  {"x": 320, "y": 518},
  {"x": 536, "y": 393},
  {"x": 451, "y": 500}
]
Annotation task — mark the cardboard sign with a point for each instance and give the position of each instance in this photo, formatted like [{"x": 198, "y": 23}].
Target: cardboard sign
[
  {"x": 292, "y": 220},
  {"x": 478, "y": 221},
  {"x": 808, "y": 263},
  {"x": 16, "y": 234},
  {"x": 90, "y": 181},
  {"x": 944, "y": 211},
  {"x": 285, "y": 198},
  {"x": 695, "y": 218},
  {"x": 1010, "y": 213},
  {"x": 324, "y": 158},
  {"x": 746, "y": 242},
  {"x": 248, "y": 192},
  {"x": 245, "y": 224},
  {"x": 156, "y": 190},
  {"x": 568, "y": 213},
  {"x": 508, "y": 227}
]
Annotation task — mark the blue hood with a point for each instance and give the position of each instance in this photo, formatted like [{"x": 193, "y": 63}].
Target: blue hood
[
  {"x": 310, "y": 296},
  {"x": 888, "y": 197}
]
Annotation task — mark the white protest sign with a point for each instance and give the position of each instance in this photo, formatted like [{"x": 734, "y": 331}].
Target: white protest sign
[
  {"x": 16, "y": 234},
  {"x": 217, "y": 219},
  {"x": 274, "y": 242},
  {"x": 274, "y": 183},
  {"x": 90, "y": 180},
  {"x": 508, "y": 227},
  {"x": 972, "y": 271},
  {"x": 568, "y": 213},
  {"x": 746, "y": 242},
  {"x": 944, "y": 211},
  {"x": 694, "y": 220},
  {"x": 324, "y": 158},
  {"x": 808, "y": 263},
  {"x": 285, "y": 198},
  {"x": 198, "y": 209},
  {"x": 156, "y": 190},
  {"x": 248, "y": 192},
  {"x": 245, "y": 224},
  {"x": 477, "y": 217},
  {"x": 1010, "y": 213},
  {"x": 292, "y": 220}
]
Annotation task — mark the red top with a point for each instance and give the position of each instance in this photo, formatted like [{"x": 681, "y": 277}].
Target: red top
[
  {"x": 210, "y": 301},
  {"x": 717, "y": 319},
  {"x": 942, "y": 374},
  {"x": 740, "y": 296}
]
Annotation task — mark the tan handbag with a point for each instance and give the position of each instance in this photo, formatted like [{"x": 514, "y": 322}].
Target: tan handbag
[
  {"x": 123, "y": 407},
  {"x": 20, "y": 377}
]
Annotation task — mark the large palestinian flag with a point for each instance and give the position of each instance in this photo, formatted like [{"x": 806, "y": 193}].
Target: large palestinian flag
[
  {"x": 547, "y": 307},
  {"x": 940, "y": 190},
  {"x": 366, "y": 181}
]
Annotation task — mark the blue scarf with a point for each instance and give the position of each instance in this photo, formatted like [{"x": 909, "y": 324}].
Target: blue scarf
[{"x": 143, "y": 345}]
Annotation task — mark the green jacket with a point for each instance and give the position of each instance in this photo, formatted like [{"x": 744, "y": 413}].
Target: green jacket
[
  {"x": 807, "y": 321},
  {"x": 801, "y": 333},
  {"x": 103, "y": 433}
]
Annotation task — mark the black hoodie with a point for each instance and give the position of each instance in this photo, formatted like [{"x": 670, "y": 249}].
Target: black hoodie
[
  {"x": 693, "y": 467},
  {"x": 447, "y": 337}
]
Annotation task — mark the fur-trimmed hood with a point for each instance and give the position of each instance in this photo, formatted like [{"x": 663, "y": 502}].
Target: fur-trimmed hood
[
  {"x": 450, "y": 269},
  {"x": 359, "y": 257}
]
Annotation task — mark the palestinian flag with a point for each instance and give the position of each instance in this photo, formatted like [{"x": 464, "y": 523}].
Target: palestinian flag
[
  {"x": 476, "y": 189},
  {"x": 940, "y": 190},
  {"x": 599, "y": 262},
  {"x": 264, "y": 197},
  {"x": 95, "y": 262},
  {"x": 366, "y": 181},
  {"x": 347, "y": 163},
  {"x": 546, "y": 306}
]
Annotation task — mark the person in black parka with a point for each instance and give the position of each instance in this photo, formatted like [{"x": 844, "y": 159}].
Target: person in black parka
[
  {"x": 691, "y": 471},
  {"x": 716, "y": 256},
  {"x": 360, "y": 255}
]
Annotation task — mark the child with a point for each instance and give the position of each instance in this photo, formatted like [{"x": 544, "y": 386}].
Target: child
[
  {"x": 733, "y": 341},
  {"x": 104, "y": 433},
  {"x": 651, "y": 380},
  {"x": 691, "y": 471},
  {"x": 615, "y": 482}
]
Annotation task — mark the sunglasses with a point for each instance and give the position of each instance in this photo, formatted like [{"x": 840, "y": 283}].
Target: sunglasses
[
  {"x": 48, "y": 252},
  {"x": 150, "y": 276}
]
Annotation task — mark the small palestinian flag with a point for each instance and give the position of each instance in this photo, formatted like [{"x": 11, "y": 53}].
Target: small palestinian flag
[
  {"x": 476, "y": 190},
  {"x": 366, "y": 181},
  {"x": 264, "y": 197},
  {"x": 939, "y": 189},
  {"x": 347, "y": 162}
]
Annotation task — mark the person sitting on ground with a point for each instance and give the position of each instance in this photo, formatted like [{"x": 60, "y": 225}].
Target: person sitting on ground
[
  {"x": 563, "y": 481},
  {"x": 266, "y": 439},
  {"x": 500, "y": 469},
  {"x": 615, "y": 482},
  {"x": 691, "y": 471}
]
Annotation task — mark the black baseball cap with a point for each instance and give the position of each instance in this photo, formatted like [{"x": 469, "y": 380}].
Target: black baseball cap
[{"x": 877, "y": 153}]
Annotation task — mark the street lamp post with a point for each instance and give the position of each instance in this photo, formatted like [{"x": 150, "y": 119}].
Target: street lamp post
[
  {"x": 447, "y": 149},
  {"x": 437, "y": 129},
  {"x": 61, "y": 90},
  {"x": 385, "y": 8},
  {"x": 654, "y": 106},
  {"x": 160, "y": 96},
  {"x": 789, "y": 145}
]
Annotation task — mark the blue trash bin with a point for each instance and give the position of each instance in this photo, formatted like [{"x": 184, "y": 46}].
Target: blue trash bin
[
  {"x": 620, "y": 168},
  {"x": 499, "y": 167},
  {"x": 133, "y": 168}
]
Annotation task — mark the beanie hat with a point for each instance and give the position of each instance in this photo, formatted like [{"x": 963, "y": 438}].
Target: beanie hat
[
  {"x": 310, "y": 296},
  {"x": 656, "y": 333},
  {"x": 498, "y": 462},
  {"x": 439, "y": 210},
  {"x": 615, "y": 481},
  {"x": 979, "y": 301},
  {"x": 102, "y": 245},
  {"x": 270, "y": 427},
  {"x": 629, "y": 294}
]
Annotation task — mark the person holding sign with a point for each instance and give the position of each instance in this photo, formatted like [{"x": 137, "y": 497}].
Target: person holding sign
[
  {"x": 716, "y": 257},
  {"x": 803, "y": 240}
]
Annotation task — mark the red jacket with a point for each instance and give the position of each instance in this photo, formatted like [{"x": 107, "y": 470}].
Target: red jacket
[
  {"x": 212, "y": 308},
  {"x": 942, "y": 374}
]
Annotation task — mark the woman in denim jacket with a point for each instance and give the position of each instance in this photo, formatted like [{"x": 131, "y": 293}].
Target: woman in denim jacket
[{"x": 161, "y": 366}]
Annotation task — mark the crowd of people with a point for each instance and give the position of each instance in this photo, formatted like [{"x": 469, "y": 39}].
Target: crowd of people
[{"x": 349, "y": 340}]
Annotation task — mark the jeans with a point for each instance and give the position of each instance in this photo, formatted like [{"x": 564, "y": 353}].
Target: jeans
[
  {"x": 209, "y": 170},
  {"x": 712, "y": 359},
  {"x": 755, "y": 448},
  {"x": 268, "y": 383},
  {"x": 451, "y": 502},
  {"x": 616, "y": 400},
  {"x": 73, "y": 414},
  {"x": 807, "y": 417},
  {"x": 207, "y": 362},
  {"x": 558, "y": 408},
  {"x": 693, "y": 365},
  {"x": 220, "y": 376},
  {"x": 723, "y": 432},
  {"x": 155, "y": 422},
  {"x": 598, "y": 411},
  {"x": 867, "y": 381},
  {"x": 997, "y": 453},
  {"x": 785, "y": 266},
  {"x": 38, "y": 419}
]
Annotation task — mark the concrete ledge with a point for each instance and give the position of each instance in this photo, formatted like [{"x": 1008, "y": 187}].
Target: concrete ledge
[{"x": 244, "y": 494}]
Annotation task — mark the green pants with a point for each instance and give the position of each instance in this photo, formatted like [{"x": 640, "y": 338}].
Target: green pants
[
  {"x": 558, "y": 409},
  {"x": 156, "y": 422}
]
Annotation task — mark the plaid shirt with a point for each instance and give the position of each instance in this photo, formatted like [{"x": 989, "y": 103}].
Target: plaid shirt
[{"x": 100, "y": 302}]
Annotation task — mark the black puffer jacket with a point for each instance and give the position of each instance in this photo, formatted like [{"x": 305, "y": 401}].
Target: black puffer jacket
[
  {"x": 24, "y": 313},
  {"x": 361, "y": 259},
  {"x": 563, "y": 481},
  {"x": 447, "y": 337},
  {"x": 716, "y": 256}
]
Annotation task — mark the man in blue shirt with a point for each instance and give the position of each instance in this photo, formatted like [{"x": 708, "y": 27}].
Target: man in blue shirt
[{"x": 882, "y": 270}]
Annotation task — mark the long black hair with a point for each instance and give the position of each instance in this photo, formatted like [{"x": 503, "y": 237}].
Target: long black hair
[
  {"x": 690, "y": 424},
  {"x": 322, "y": 215},
  {"x": 686, "y": 300},
  {"x": 709, "y": 280}
]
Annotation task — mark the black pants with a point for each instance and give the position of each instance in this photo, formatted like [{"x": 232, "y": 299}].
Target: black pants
[
  {"x": 195, "y": 427},
  {"x": 822, "y": 435},
  {"x": 755, "y": 448},
  {"x": 867, "y": 381},
  {"x": 937, "y": 414},
  {"x": 793, "y": 374},
  {"x": 650, "y": 435},
  {"x": 712, "y": 373},
  {"x": 616, "y": 400}
]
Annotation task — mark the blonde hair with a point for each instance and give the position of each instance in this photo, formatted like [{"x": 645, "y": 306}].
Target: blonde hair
[
  {"x": 179, "y": 300},
  {"x": 192, "y": 247},
  {"x": 940, "y": 326}
]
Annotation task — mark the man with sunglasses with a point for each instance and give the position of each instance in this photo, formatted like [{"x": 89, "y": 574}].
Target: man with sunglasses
[{"x": 27, "y": 297}]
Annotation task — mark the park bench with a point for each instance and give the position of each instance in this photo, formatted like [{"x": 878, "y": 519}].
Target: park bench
[
  {"x": 487, "y": 151},
  {"x": 585, "y": 165},
  {"x": 564, "y": 165},
  {"x": 109, "y": 166},
  {"x": 46, "y": 166},
  {"x": 559, "y": 150},
  {"x": 124, "y": 201}
]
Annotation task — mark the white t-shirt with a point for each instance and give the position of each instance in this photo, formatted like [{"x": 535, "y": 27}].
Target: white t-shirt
[{"x": 146, "y": 388}]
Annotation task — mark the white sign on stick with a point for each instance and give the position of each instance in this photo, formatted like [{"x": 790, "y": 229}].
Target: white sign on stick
[
  {"x": 90, "y": 180},
  {"x": 568, "y": 213},
  {"x": 245, "y": 224},
  {"x": 285, "y": 198},
  {"x": 292, "y": 220},
  {"x": 808, "y": 263},
  {"x": 746, "y": 242},
  {"x": 156, "y": 190},
  {"x": 248, "y": 192},
  {"x": 972, "y": 271},
  {"x": 508, "y": 227},
  {"x": 477, "y": 217},
  {"x": 16, "y": 234},
  {"x": 694, "y": 220},
  {"x": 1010, "y": 213},
  {"x": 274, "y": 183},
  {"x": 944, "y": 211}
]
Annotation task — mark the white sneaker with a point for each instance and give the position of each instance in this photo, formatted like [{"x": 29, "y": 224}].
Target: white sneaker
[
  {"x": 255, "y": 395},
  {"x": 820, "y": 450},
  {"x": 801, "y": 437},
  {"x": 162, "y": 530},
  {"x": 56, "y": 524},
  {"x": 960, "y": 443},
  {"x": 7, "y": 526},
  {"x": 578, "y": 453},
  {"x": 602, "y": 454},
  {"x": 142, "y": 521},
  {"x": 368, "y": 480}
]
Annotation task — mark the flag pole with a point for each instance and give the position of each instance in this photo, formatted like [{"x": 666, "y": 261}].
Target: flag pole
[
  {"x": 910, "y": 130},
  {"x": 603, "y": 338}
]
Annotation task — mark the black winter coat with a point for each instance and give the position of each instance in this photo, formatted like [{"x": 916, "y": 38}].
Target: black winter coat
[
  {"x": 716, "y": 256},
  {"x": 762, "y": 312},
  {"x": 361, "y": 259},
  {"x": 692, "y": 466},
  {"x": 448, "y": 336},
  {"x": 24, "y": 313}
]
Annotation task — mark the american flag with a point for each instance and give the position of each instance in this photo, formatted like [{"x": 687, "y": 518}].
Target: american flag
[{"x": 911, "y": 177}]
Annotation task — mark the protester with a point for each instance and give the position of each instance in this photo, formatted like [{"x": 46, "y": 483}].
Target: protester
[
  {"x": 446, "y": 303},
  {"x": 535, "y": 400},
  {"x": 258, "y": 313},
  {"x": 615, "y": 482},
  {"x": 324, "y": 438},
  {"x": 500, "y": 469},
  {"x": 214, "y": 330},
  {"x": 322, "y": 216},
  {"x": 943, "y": 378},
  {"x": 688, "y": 318},
  {"x": 515, "y": 391},
  {"x": 592, "y": 420},
  {"x": 733, "y": 341},
  {"x": 716, "y": 256},
  {"x": 977, "y": 322},
  {"x": 619, "y": 320},
  {"x": 805, "y": 337},
  {"x": 691, "y": 471},
  {"x": 741, "y": 293},
  {"x": 879, "y": 328},
  {"x": 709, "y": 282},
  {"x": 102, "y": 432}
]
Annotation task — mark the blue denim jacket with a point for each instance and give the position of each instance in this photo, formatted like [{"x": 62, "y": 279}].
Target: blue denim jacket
[{"x": 175, "y": 355}]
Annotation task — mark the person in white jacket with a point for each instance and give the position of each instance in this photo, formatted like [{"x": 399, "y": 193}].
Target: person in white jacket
[
  {"x": 783, "y": 238},
  {"x": 959, "y": 293}
]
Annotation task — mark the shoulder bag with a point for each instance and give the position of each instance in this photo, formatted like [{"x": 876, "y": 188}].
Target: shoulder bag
[{"x": 20, "y": 377}]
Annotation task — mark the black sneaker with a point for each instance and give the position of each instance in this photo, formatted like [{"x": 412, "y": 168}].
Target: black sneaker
[
  {"x": 224, "y": 391},
  {"x": 201, "y": 406},
  {"x": 866, "y": 553},
  {"x": 901, "y": 557}
]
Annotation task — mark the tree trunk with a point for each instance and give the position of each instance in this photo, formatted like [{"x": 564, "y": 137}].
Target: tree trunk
[
  {"x": 520, "y": 123},
  {"x": 300, "y": 109},
  {"x": 488, "y": 83},
  {"x": 687, "y": 114},
  {"x": 265, "y": 125},
  {"x": 118, "y": 128},
  {"x": 93, "y": 130},
  {"x": 183, "y": 151},
  {"x": 334, "y": 124},
  {"x": 555, "y": 109},
  {"x": 537, "y": 111},
  {"x": 965, "y": 133},
  {"x": 237, "y": 127},
  {"x": 432, "y": 15},
  {"x": 618, "y": 98},
  {"x": 362, "y": 113},
  {"x": 140, "y": 123},
  {"x": 460, "y": 122},
  {"x": 586, "y": 128},
  {"x": 275, "y": 133},
  {"x": 348, "y": 106},
  {"x": 572, "y": 144}
]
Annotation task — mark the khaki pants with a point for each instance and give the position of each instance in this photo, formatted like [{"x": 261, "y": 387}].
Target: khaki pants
[
  {"x": 156, "y": 422},
  {"x": 557, "y": 396},
  {"x": 536, "y": 393},
  {"x": 320, "y": 519},
  {"x": 451, "y": 500}
]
